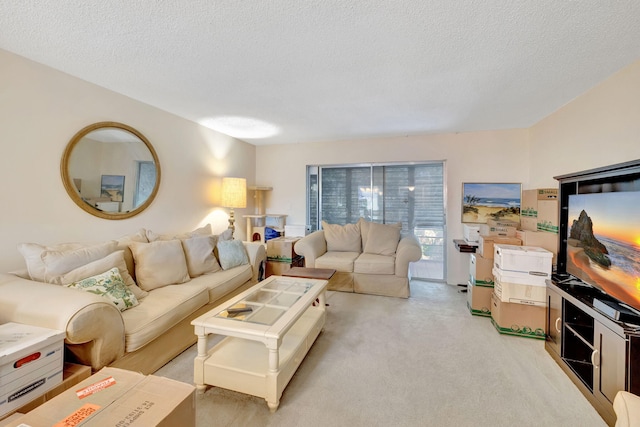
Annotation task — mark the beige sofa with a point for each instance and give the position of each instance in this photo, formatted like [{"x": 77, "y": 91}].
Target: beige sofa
[
  {"x": 368, "y": 257},
  {"x": 177, "y": 278}
]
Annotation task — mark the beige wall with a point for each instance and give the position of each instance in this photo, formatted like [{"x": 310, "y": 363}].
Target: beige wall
[
  {"x": 40, "y": 111},
  {"x": 599, "y": 128}
]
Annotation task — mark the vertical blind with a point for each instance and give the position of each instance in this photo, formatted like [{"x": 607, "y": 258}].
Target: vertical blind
[{"x": 412, "y": 194}]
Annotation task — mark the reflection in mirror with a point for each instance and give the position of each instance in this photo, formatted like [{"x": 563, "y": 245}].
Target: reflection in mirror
[{"x": 110, "y": 170}]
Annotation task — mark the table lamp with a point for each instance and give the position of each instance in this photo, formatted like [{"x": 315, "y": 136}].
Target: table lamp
[{"x": 234, "y": 196}]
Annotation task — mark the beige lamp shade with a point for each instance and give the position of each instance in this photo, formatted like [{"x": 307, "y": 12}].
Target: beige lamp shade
[{"x": 234, "y": 192}]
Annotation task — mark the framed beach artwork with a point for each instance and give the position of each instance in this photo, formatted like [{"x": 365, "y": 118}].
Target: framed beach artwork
[
  {"x": 112, "y": 186},
  {"x": 490, "y": 200}
]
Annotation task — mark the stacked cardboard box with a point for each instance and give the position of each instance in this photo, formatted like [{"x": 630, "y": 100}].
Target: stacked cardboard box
[
  {"x": 281, "y": 255},
  {"x": 481, "y": 282},
  {"x": 519, "y": 299},
  {"x": 480, "y": 286},
  {"x": 539, "y": 218},
  {"x": 117, "y": 397}
]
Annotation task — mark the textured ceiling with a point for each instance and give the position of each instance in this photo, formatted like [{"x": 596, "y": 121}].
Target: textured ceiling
[{"x": 334, "y": 69}]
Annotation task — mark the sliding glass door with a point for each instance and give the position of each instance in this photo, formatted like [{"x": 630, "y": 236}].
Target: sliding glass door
[{"x": 408, "y": 193}]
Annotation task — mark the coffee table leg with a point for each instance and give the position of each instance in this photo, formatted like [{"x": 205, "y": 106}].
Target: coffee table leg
[
  {"x": 273, "y": 400},
  {"x": 198, "y": 372},
  {"x": 322, "y": 300}
]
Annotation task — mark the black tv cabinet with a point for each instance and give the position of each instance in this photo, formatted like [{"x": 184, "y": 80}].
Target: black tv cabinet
[{"x": 600, "y": 355}]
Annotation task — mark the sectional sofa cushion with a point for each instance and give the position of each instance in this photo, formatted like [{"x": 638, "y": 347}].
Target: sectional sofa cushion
[
  {"x": 109, "y": 285},
  {"x": 382, "y": 239},
  {"x": 340, "y": 261},
  {"x": 375, "y": 264},
  {"x": 57, "y": 263},
  {"x": 159, "y": 263},
  {"x": 78, "y": 254},
  {"x": 123, "y": 244},
  {"x": 115, "y": 259},
  {"x": 342, "y": 238},
  {"x": 162, "y": 309},
  {"x": 198, "y": 251}
]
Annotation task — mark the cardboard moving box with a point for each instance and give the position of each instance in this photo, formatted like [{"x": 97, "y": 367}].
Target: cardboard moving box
[
  {"x": 31, "y": 363},
  {"x": 479, "y": 300},
  {"x": 281, "y": 249},
  {"x": 485, "y": 248},
  {"x": 120, "y": 398},
  {"x": 518, "y": 293},
  {"x": 518, "y": 319},
  {"x": 480, "y": 270}
]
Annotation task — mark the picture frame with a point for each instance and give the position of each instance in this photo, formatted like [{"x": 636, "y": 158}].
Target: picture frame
[
  {"x": 482, "y": 201},
  {"x": 112, "y": 186}
]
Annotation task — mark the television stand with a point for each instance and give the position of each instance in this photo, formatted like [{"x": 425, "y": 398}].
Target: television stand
[{"x": 599, "y": 353}]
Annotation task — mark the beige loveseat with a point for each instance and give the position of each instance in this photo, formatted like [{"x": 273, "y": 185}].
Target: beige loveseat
[
  {"x": 368, "y": 257},
  {"x": 174, "y": 279}
]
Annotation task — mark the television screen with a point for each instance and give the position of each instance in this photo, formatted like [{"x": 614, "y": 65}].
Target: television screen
[{"x": 603, "y": 243}]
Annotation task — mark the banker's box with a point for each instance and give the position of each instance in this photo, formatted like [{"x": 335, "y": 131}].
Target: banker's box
[
  {"x": 31, "y": 363},
  {"x": 282, "y": 249},
  {"x": 518, "y": 319},
  {"x": 480, "y": 270},
  {"x": 485, "y": 246},
  {"x": 497, "y": 230},
  {"x": 118, "y": 397},
  {"x": 479, "y": 299},
  {"x": 541, "y": 239},
  {"x": 471, "y": 233},
  {"x": 529, "y": 260},
  {"x": 520, "y": 293}
]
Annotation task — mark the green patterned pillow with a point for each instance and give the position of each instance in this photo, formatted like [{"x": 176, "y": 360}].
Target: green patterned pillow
[{"x": 110, "y": 285}]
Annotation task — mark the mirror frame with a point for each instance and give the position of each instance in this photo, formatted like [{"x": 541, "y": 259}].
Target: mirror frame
[{"x": 68, "y": 182}]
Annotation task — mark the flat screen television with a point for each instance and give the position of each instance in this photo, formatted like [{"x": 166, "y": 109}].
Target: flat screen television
[{"x": 600, "y": 230}]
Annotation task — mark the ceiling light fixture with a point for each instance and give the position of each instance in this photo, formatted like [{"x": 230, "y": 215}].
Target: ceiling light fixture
[{"x": 241, "y": 127}]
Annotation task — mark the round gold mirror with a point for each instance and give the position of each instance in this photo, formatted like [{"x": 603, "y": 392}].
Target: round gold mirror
[{"x": 110, "y": 170}]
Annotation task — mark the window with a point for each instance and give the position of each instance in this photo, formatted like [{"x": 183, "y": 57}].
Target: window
[{"x": 412, "y": 194}]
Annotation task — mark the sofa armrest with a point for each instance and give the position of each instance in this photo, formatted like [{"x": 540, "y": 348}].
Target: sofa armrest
[
  {"x": 93, "y": 326},
  {"x": 408, "y": 251},
  {"x": 627, "y": 409},
  {"x": 257, "y": 258},
  {"x": 311, "y": 247}
]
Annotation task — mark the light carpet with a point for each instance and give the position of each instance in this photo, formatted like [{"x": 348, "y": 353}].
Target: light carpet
[{"x": 423, "y": 361}]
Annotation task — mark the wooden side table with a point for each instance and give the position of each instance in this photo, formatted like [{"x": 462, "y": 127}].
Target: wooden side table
[{"x": 310, "y": 273}]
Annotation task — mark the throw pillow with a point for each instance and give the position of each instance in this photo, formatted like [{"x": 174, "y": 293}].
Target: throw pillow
[
  {"x": 32, "y": 253},
  {"x": 342, "y": 238},
  {"x": 364, "y": 229},
  {"x": 109, "y": 285},
  {"x": 198, "y": 251},
  {"x": 123, "y": 243},
  {"x": 232, "y": 253},
  {"x": 115, "y": 259},
  {"x": 382, "y": 239},
  {"x": 159, "y": 263},
  {"x": 57, "y": 263}
]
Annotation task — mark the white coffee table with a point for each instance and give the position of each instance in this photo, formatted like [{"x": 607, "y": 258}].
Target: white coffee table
[{"x": 264, "y": 347}]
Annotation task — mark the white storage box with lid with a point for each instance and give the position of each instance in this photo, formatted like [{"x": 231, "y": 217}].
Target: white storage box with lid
[
  {"x": 471, "y": 233},
  {"x": 518, "y": 293},
  {"x": 523, "y": 259},
  {"x": 31, "y": 363}
]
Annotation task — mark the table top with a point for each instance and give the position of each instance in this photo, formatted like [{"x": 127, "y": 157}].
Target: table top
[
  {"x": 272, "y": 306},
  {"x": 310, "y": 273}
]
